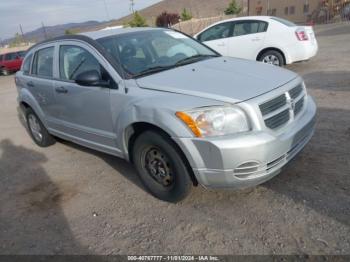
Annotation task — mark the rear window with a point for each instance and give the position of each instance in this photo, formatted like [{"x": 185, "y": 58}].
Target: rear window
[{"x": 284, "y": 21}]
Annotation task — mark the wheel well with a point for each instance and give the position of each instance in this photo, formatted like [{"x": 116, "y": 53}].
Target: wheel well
[
  {"x": 141, "y": 127},
  {"x": 271, "y": 49},
  {"x": 24, "y": 105}
]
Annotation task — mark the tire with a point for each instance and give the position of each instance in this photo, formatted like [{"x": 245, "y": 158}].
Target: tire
[
  {"x": 272, "y": 57},
  {"x": 37, "y": 130},
  {"x": 5, "y": 72},
  {"x": 161, "y": 167}
]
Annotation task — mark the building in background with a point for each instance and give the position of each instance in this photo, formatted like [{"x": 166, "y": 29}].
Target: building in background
[{"x": 300, "y": 11}]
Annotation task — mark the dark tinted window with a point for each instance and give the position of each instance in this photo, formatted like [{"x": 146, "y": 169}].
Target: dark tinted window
[
  {"x": 292, "y": 10},
  {"x": 249, "y": 27},
  {"x": 219, "y": 31},
  {"x": 22, "y": 54},
  {"x": 43, "y": 62},
  {"x": 11, "y": 56},
  {"x": 1, "y": 57},
  {"x": 75, "y": 60},
  {"x": 26, "y": 64}
]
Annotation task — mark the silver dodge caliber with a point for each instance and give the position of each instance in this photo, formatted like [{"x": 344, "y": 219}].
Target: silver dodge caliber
[{"x": 180, "y": 112}]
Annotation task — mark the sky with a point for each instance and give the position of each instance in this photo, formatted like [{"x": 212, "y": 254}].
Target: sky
[{"x": 30, "y": 13}]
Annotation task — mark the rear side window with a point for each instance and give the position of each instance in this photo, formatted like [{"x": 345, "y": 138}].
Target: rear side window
[
  {"x": 284, "y": 21},
  {"x": 11, "y": 56},
  {"x": 249, "y": 27},
  {"x": 43, "y": 62},
  {"x": 219, "y": 31},
  {"x": 26, "y": 64}
]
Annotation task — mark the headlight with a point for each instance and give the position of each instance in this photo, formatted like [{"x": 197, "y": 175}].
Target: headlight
[{"x": 215, "y": 121}]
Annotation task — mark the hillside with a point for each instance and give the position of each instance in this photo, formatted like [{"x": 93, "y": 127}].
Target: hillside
[
  {"x": 57, "y": 30},
  {"x": 198, "y": 8}
]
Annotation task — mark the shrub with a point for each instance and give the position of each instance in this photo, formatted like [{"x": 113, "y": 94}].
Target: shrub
[
  {"x": 186, "y": 15},
  {"x": 138, "y": 21},
  {"x": 167, "y": 19},
  {"x": 233, "y": 8}
]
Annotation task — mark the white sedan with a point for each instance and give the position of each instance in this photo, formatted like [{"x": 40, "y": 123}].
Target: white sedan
[{"x": 267, "y": 39}]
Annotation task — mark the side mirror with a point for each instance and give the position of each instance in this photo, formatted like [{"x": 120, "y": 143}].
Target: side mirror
[{"x": 91, "y": 78}]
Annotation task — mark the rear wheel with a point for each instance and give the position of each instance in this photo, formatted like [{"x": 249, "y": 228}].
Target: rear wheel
[
  {"x": 4, "y": 71},
  {"x": 37, "y": 130},
  {"x": 161, "y": 167},
  {"x": 272, "y": 57}
]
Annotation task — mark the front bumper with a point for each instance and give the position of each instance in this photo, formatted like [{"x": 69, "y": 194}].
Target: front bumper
[{"x": 247, "y": 160}]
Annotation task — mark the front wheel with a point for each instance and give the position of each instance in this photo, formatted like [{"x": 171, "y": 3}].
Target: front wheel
[
  {"x": 272, "y": 57},
  {"x": 161, "y": 167}
]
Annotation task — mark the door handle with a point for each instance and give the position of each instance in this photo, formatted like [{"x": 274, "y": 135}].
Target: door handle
[
  {"x": 256, "y": 39},
  {"x": 61, "y": 90},
  {"x": 30, "y": 84},
  {"x": 221, "y": 44}
]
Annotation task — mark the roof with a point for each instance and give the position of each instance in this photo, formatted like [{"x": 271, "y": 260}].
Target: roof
[{"x": 117, "y": 31}]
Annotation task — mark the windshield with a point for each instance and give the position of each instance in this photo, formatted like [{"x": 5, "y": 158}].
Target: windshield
[{"x": 152, "y": 51}]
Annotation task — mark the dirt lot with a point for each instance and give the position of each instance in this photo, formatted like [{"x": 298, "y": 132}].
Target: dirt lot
[{"x": 71, "y": 200}]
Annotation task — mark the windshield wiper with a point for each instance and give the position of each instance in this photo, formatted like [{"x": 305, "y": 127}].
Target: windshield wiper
[
  {"x": 153, "y": 70},
  {"x": 192, "y": 59}
]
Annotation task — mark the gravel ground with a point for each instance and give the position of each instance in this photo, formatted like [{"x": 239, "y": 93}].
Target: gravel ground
[{"x": 70, "y": 200}]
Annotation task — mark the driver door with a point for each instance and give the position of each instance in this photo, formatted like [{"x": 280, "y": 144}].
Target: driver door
[
  {"x": 216, "y": 37},
  {"x": 83, "y": 112}
]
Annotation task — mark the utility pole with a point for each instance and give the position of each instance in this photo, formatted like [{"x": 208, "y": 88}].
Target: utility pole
[
  {"x": 21, "y": 29},
  {"x": 132, "y": 4},
  {"x": 106, "y": 8},
  {"x": 44, "y": 30},
  {"x": 268, "y": 7}
]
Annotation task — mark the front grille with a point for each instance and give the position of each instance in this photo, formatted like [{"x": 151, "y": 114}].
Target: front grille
[
  {"x": 299, "y": 106},
  {"x": 296, "y": 91},
  {"x": 273, "y": 105},
  {"x": 278, "y": 119},
  {"x": 280, "y": 110}
]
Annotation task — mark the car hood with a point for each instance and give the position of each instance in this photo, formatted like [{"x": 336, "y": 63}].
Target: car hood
[{"x": 225, "y": 79}]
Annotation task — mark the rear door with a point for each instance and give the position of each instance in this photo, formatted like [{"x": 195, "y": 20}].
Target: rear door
[
  {"x": 83, "y": 112},
  {"x": 247, "y": 39},
  {"x": 217, "y": 37},
  {"x": 40, "y": 80}
]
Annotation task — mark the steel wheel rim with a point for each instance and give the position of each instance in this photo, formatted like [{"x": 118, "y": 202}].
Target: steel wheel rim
[
  {"x": 158, "y": 166},
  {"x": 35, "y": 128},
  {"x": 271, "y": 60}
]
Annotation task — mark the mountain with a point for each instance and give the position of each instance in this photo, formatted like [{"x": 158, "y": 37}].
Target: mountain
[
  {"x": 57, "y": 30},
  {"x": 198, "y": 8}
]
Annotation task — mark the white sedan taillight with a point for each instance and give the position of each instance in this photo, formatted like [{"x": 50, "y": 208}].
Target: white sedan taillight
[{"x": 301, "y": 34}]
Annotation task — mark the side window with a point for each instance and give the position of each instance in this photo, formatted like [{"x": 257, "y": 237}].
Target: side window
[
  {"x": 75, "y": 60},
  {"x": 249, "y": 27},
  {"x": 1, "y": 57},
  {"x": 26, "y": 64},
  {"x": 219, "y": 31},
  {"x": 43, "y": 62},
  {"x": 11, "y": 56}
]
